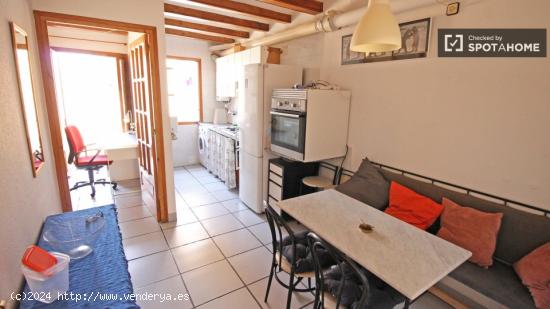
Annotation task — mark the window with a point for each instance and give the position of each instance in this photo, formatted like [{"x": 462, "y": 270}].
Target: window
[
  {"x": 185, "y": 89},
  {"x": 89, "y": 93}
]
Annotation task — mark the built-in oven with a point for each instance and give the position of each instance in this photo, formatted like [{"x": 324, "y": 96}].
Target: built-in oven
[{"x": 288, "y": 123}]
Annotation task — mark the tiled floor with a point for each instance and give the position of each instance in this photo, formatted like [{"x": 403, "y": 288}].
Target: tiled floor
[{"x": 217, "y": 251}]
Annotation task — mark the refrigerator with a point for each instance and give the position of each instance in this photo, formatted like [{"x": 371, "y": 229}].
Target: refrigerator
[{"x": 255, "y": 84}]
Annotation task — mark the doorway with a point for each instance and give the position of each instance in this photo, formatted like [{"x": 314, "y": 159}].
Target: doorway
[{"x": 129, "y": 104}]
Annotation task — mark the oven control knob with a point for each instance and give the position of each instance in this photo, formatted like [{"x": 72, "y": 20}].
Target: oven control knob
[
  {"x": 295, "y": 105},
  {"x": 280, "y": 103}
]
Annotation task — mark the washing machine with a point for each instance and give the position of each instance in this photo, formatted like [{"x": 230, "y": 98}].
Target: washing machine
[{"x": 203, "y": 143}]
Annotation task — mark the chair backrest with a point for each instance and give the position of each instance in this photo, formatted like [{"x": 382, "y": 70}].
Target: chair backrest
[
  {"x": 348, "y": 269},
  {"x": 277, "y": 225},
  {"x": 76, "y": 143}
]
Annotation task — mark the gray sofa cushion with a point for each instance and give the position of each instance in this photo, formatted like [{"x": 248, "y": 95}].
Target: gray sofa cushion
[
  {"x": 499, "y": 282},
  {"x": 367, "y": 185},
  {"x": 520, "y": 232}
]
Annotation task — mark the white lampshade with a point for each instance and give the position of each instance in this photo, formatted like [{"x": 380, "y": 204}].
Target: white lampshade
[{"x": 377, "y": 30}]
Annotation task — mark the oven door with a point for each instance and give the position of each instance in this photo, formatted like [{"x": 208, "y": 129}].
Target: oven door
[{"x": 288, "y": 132}]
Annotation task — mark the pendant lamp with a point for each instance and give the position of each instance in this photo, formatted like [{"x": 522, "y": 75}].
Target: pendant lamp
[{"x": 377, "y": 30}]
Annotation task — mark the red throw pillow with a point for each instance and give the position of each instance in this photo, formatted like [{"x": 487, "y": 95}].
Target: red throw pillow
[
  {"x": 534, "y": 271},
  {"x": 411, "y": 207},
  {"x": 472, "y": 230}
]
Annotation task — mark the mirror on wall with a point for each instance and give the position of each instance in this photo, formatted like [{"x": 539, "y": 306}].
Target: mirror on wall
[{"x": 28, "y": 103}]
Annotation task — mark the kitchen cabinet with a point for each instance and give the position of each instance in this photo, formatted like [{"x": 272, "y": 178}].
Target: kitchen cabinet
[{"x": 227, "y": 67}]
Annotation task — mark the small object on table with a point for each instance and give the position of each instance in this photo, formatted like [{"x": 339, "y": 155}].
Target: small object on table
[
  {"x": 38, "y": 259},
  {"x": 366, "y": 228}
]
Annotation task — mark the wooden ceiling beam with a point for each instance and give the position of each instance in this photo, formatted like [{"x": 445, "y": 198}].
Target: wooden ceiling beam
[
  {"x": 200, "y": 36},
  {"x": 206, "y": 28},
  {"x": 247, "y": 9},
  {"x": 305, "y": 6},
  {"x": 170, "y": 8}
]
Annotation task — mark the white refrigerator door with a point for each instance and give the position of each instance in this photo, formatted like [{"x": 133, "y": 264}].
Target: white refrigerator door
[
  {"x": 250, "y": 181},
  {"x": 250, "y": 111}
]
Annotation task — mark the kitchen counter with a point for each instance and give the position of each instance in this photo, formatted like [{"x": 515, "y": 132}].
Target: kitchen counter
[{"x": 227, "y": 131}]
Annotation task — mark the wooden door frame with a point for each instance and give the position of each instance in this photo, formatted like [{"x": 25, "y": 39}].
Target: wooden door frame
[{"x": 41, "y": 22}]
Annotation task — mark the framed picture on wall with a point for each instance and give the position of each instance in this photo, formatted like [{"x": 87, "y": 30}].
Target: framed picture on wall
[
  {"x": 415, "y": 36},
  {"x": 349, "y": 56}
]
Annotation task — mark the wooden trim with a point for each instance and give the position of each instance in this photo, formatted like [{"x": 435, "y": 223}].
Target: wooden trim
[
  {"x": 87, "y": 40},
  {"x": 170, "y": 8},
  {"x": 437, "y": 292},
  {"x": 15, "y": 28},
  {"x": 84, "y": 27},
  {"x": 89, "y": 52},
  {"x": 201, "y": 110},
  {"x": 247, "y": 9},
  {"x": 207, "y": 28},
  {"x": 41, "y": 20},
  {"x": 200, "y": 36},
  {"x": 305, "y": 6}
]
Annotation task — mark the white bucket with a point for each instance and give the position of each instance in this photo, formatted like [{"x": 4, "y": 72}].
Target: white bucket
[{"x": 48, "y": 285}]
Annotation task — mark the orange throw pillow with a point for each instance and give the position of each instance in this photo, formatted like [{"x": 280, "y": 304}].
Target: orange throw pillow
[
  {"x": 411, "y": 207},
  {"x": 534, "y": 271},
  {"x": 472, "y": 230}
]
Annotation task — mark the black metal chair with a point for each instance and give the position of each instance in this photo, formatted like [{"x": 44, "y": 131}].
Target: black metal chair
[
  {"x": 277, "y": 224},
  {"x": 354, "y": 289}
]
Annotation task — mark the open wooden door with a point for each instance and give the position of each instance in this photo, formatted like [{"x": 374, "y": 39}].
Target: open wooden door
[{"x": 144, "y": 120}]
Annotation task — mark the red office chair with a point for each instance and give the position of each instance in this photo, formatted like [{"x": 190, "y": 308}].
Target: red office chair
[{"x": 78, "y": 156}]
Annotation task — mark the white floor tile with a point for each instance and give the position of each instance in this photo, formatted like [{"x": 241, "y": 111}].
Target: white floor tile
[
  {"x": 225, "y": 195},
  {"x": 143, "y": 245},
  {"x": 209, "y": 211},
  {"x": 152, "y": 268},
  {"x": 248, "y": 218},
  {"x": 197, "y": 254},
  {"x": 132, "y": 213},
  {"x": 262, "y": 232},
  {"x": 278, "y": 294},
  {"x": 234, "y": 205},
  {"x": 128, "y": 200},
  {"x": 195, "y": 167},
  {"x": 185, "y": 234},
  {"x": 139, "y": 227},
  {"x": 184, "y": 216},
  {"x": 252, "y": 265},
  {"x": 236, "y": 242},
  {"x": 222, "y": 224},
  {"x": 200, "y": 173},
  {"x": 239, "y": 299},
  {"x": 172, "y": 286},
  {"x": 198, "y": 199},
  {"x": 211, "y": 281},
  {"x": 215, "y": 186},
  {"x": 207, "y": 179}
]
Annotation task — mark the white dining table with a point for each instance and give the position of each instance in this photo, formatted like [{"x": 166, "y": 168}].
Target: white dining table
[{"x": 407, "y": 258}]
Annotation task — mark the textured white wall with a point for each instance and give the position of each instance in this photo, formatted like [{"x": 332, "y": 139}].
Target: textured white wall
[
  {"x": 146, "y": 12},
  {"x": 24, "y": 201},
  {"x": 481, "y": 123}
]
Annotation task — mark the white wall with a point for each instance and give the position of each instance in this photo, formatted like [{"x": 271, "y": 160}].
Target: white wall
[
  {"x": 146, "y": 12},
  {"x": 481, "y": 123},
  {"x": 185, "y": 148},
  {"x": 24, "y": 201}
]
